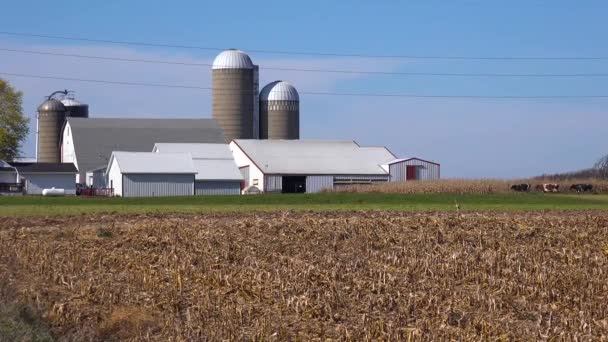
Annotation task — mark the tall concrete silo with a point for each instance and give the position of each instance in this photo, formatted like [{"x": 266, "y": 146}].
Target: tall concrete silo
[
  {"x": 235, "y": 94},
  {"x": 51, "y": 116},
  {"x": 279, "y": 111}
]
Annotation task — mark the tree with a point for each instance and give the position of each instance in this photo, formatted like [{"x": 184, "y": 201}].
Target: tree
[
  {"x": 602, "y": 167},
  {"x": 14, "y": 126}
]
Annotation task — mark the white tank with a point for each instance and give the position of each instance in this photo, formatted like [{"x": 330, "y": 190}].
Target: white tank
[{"x": 53, "y": 192}]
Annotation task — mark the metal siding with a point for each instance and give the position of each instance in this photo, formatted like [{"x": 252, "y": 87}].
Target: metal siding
[
  {"x": 99, "y": 178},
  {"x": 217, "y": 188},
  {"x": 362, "y": 177},
  {"x": 35, "y": 183},
  {"x": 273, "y": 183},
  {"x": 153, "y": 185},
  {"x": 8, "y": 177},
  {"x": 318, "y": 183},
  {"x": 425, "y": 170}
]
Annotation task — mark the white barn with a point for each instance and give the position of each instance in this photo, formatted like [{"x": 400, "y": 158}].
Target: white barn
[
  {"x": 148, "y": 174},
  {"x": 291, "y": 166},
  {"x": 217, "y": 173}
]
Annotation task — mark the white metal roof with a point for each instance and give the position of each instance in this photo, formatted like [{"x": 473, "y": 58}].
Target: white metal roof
[
  {"x": 232, "y": 59},
  {"x": 279, "y": 91},
  {"x": 407, "y": 159},
  {"x": 315, "y": 157},
  {"x": 148, "y": 162},
  {"x": 198, "y": 151},
  {"x": 216, "y": 169},
  {"x": 211, "y": 161}
]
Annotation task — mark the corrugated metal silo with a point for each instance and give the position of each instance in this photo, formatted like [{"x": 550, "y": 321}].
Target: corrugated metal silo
[
  {"x": 75, "y": 109},
  {"x": 234, "y": 94},
  {"x": 51, "y": 116},
  {"x": 279, "y": 111}
]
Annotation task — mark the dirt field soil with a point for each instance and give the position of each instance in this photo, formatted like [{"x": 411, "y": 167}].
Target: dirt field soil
[{"x": 302, "y": 276}]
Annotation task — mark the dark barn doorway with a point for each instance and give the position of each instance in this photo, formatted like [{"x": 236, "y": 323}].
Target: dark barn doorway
[
  {"x": 411, "y": 172},
  {"x": 294, "y": 184}
]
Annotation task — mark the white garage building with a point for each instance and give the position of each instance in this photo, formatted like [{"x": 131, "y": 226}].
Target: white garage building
[
  {"x": 147, "y": 174},
  {"x": 291, "y": 166},
  {"x": 39, "y": 176},
  {"x": 217, "y": 173}
]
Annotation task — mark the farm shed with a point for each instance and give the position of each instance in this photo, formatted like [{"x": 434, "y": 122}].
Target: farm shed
[
  {"x": 8, "y": 174},
  {"x": 217, "y": 173},
  {"x": 97, "y": 177},
  {"x": 148, "y": 174},
  {"x": 40, "y": 176},
  {"x": 402, "y": 170},
  {"x": 295, "y": 166},
  {"x": 89, "y": 142}
]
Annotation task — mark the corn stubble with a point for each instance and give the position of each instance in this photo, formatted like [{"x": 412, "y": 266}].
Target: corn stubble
[{"x": 314, "y": 276}]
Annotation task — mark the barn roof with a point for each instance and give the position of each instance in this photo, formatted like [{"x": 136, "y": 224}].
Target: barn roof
[
  {"x": 315, "y": 157},
  {"x": 408, "y": 159},
  {"x": 211, "y": 161},
  {"x": 149, "y": 162},
  {"x": 96, "y": 138},
  {"x": 45, "y": 167}
]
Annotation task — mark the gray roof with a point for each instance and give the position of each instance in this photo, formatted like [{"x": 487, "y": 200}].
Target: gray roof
[
  {"x": 45, "y": 167},
  {"x": 198, "y": 151},
  {"x": 315, "y": 157},
  {"x": 96, "y": 138},
  {"x": 211, "y": 161},
  {"x": 149, "y": 162}
]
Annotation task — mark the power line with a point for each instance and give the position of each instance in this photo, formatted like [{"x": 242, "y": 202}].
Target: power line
[
  {"x": 313, "y": 92},
  {"x": 388, "y": 73},
  {"x": 307, "y": 53}
]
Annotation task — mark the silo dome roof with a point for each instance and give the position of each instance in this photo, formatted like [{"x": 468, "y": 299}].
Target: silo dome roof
[
  {"x": 232, "y": 59},
  {"x": 70, "y": 102},
  {"x": 51, "y": 105},
  {"x": 279, "y": 91}
]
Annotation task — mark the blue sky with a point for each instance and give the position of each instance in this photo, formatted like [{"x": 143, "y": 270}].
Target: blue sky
[{"x": 469, "y": 137}]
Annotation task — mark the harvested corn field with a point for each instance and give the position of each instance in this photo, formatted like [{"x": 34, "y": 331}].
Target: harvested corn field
[{"x": 306, "y": 276}]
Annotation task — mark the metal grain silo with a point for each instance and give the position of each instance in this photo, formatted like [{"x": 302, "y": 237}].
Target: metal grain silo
[
  {"x": 51, "y": 116},
  {"x": 75, "y": 109},
  {"x": 234, "y": 94},
  {"x": 279, "y": 111}
]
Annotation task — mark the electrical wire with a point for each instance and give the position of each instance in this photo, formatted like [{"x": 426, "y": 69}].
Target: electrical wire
[
  {"x": 309, "y": 53},
  {"x": 388, "y": 73},
  {"x": 313, "y": 92}
]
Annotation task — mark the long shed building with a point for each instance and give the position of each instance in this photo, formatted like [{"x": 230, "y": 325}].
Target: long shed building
[
  {"x": 147, "y": 174},
  {"x": 297, "y": 166}
]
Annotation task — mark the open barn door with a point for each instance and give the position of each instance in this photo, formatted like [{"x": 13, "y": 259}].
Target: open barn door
[{"x": 411, "y": 172}]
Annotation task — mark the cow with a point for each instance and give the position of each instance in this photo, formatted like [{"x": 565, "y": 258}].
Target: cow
[
  {"x": 521, "y": 187},
  {"x": 548, "y": 187},
  {"x": 581, "y": 188}
]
